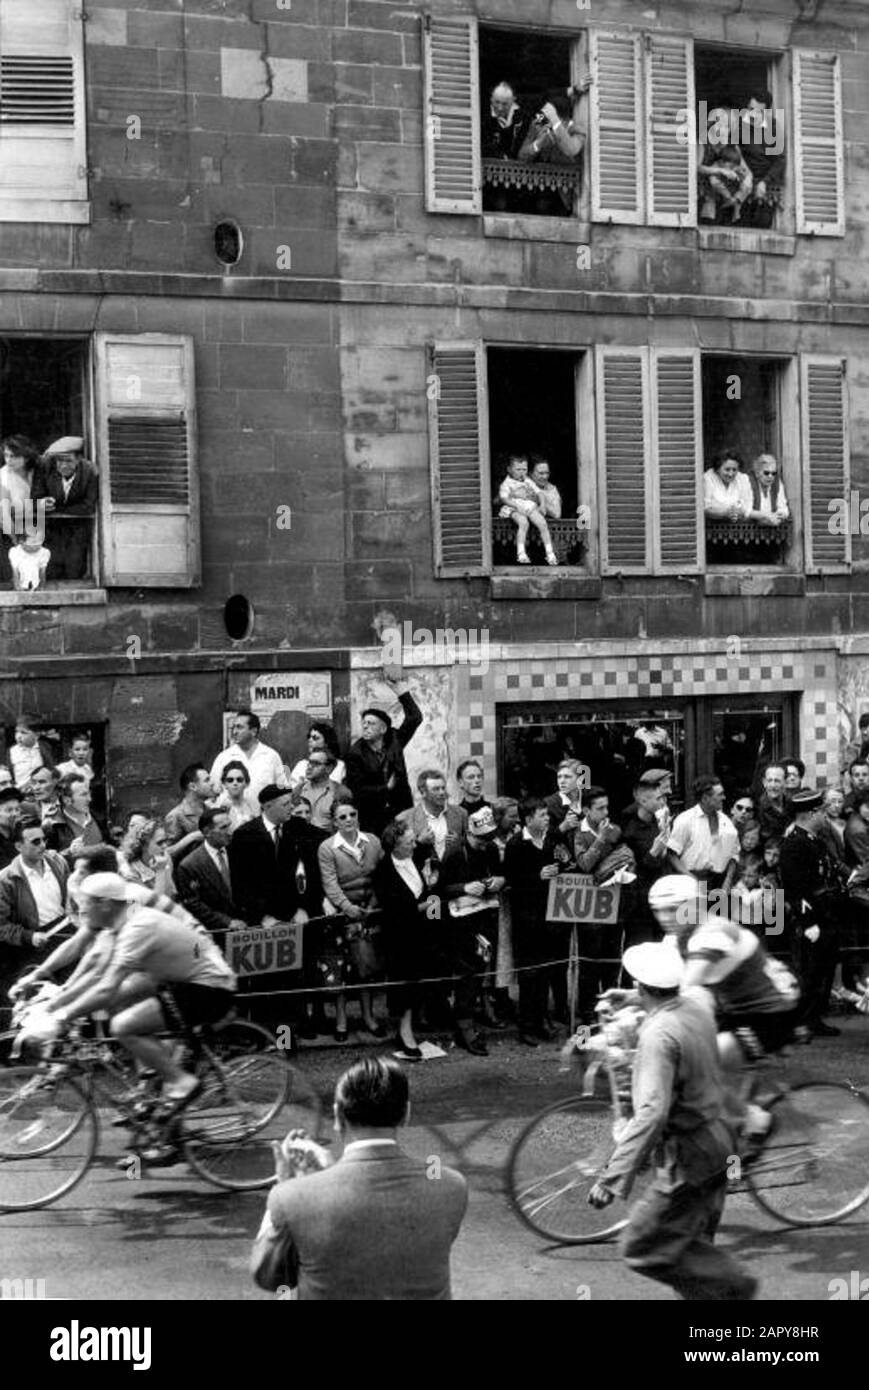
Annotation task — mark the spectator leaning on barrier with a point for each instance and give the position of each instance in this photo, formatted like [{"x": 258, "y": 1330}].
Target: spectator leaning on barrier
[{"x": 531, "y": 860}]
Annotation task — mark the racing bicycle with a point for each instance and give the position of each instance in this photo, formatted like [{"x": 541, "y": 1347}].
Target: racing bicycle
[
  {"x": 50, "y": 1116},
  {"x": 812, "y": 1169}
]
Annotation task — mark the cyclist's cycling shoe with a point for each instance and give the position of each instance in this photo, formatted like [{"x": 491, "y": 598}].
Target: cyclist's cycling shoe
[
  {"x": 753, "y": 1141},
  {"x": 171, "y": 1103},
  {"x": 161, "y": 1156}
]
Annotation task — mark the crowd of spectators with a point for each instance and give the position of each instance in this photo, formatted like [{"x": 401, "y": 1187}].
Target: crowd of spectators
[{"x": 438, "y": 905}]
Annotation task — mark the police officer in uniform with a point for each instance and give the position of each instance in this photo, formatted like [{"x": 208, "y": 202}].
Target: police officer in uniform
[{"x": 816, "y": 905}]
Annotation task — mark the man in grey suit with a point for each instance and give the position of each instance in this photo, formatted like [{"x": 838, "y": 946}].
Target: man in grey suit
[
  {"x": 376, "y": 1226},
  {"x": 434, "y": 822}
]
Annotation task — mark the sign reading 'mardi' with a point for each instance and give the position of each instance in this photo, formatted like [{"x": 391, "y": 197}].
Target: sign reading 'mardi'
[{"x": 307, "y": 691}]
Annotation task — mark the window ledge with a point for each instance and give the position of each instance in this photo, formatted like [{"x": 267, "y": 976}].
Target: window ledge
[
  {"x": 747, "y": 239},
  {"x": 537, "y": 582},
  {"x": 527, "y": 227},
  {"x": 52, "y": 598},
  {"x": 757, "y": 584}
]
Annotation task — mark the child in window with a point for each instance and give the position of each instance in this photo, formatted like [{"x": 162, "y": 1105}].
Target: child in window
[
  {"x": 522, "y": 500},
  {"x": 725, "y": 179},
  {"x": 29, "y": 561}
]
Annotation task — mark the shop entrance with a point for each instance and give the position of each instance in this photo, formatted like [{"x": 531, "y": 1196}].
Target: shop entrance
[{"x": 734, "y": 736}]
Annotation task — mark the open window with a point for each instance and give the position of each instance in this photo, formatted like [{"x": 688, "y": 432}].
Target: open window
[
  {"x": 126, "y": 511},
  {"x": 743, "y": 418},
  {"x": 742, "y": 134},
  {"x": 43, "y": 399},
  {"x": 531, "y": 162},
  {"x": 532, "y": 417}
]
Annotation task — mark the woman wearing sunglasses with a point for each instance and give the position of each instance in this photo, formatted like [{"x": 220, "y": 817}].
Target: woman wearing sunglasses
[{"x": 235, "y": 795}]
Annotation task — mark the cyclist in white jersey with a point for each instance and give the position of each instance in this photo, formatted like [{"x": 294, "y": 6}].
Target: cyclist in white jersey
[
  {"x": 756, "y": 997},
  {"x": 140, "y": 950}
]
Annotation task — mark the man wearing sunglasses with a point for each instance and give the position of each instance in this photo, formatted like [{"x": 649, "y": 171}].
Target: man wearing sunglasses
[{"x": 32, "y": 900}]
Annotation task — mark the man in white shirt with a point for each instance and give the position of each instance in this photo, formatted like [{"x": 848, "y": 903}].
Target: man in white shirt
[
  {"x": 264, "y": 764},
  {"x": 32, "y": 899},
  {"x": 703, "y": 841}
]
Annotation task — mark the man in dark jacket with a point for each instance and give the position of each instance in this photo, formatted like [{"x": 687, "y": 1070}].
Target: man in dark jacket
[
  {"x": 203, "y": 878},
  {"x": 469, "y": 882},
  {"x": 73, "y": 487},
  {"x": 530, "y": 862},
  {"x": 376, "y": 772}
]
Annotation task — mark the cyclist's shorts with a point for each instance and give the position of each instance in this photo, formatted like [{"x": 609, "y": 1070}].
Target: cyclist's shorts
[
  {"x": 759, "y": 1034},
  {"x": 195, "y": 1004}
]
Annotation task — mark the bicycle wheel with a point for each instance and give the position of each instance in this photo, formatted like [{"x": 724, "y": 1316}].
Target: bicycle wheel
[
  {"x": 553, "y": 1165},
  {"x": 228, "y": 1130},
  {"x": 257, "y": 1070},
  {"x": 48, "y": 1136},
  {"x": 814, "y": 1168}
]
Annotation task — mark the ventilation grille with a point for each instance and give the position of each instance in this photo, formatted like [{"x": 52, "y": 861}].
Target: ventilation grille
[
  {"x": 36, "y": 91},
  {"x": 148, "y": 462}
]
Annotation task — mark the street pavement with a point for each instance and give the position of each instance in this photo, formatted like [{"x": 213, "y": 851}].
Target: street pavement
[{"x": 167, "y": 1235}]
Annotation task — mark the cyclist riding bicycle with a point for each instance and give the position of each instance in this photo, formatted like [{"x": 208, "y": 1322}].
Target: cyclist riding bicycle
[
  {"x": 147, "y": 965},
  {"x": 756, "y": 997}
]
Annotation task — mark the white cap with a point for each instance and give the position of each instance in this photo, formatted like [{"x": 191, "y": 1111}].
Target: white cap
[
  {"x": 672, "y": 890},
  {"x": 654, "y": 963},
  {"x": 69, "y": 444},
  {"x": 106, "y": 886}
]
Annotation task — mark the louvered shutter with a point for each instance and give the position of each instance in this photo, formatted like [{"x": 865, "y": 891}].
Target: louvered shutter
[
  {"x": 616, "y": 134},
  {"x": 671, "y": 159},
  {"x": 624, "y": 469},
  {"x": 147, "y": 460},
  {"x": 453, "y": 178},
  {"x": 819, "y": 158},
  {"x": 43, "y": 157},
  {"x": 826, "y": 471},
  {"x": 458, "y": 443},
  {"x": 676, "y": 412}
]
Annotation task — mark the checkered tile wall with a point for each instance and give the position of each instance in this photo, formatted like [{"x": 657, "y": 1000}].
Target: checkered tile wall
[{"x": 810, "y": 674}]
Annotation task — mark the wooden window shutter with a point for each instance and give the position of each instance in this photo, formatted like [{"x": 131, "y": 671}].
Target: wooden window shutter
[
  {"x": 146, "y": 430},
  {"x": 676, "y": 413},
  {"x": 453, "y": 176},
  {"x": 819, "y": 156},
  {"x": 43, "y": 128},
  {"x": 826, "y": 472},
  {"x": 458, "y": 444},
  {"x": 617, "y": 154},
  {"x": 671, "y": 160},
  {"x": 624, "y": 470}
]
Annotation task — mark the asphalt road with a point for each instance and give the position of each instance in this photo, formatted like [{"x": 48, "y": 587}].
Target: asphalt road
[{"x": 168, "y": 1236}]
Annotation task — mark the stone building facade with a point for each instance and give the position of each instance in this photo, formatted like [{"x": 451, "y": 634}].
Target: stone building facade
[{"x": 299, "y": 316}]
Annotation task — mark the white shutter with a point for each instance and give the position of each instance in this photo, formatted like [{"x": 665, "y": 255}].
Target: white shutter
[
  {"x": 625, "y": 465},
  {"x": 453, "y": 178},
  {"x": 671, "y": 160},
  {"x": 826, "y": 471},
  {"x": 617, "y": 156},
  {"x": 676, "y": 413},
  {"x": 458, "y": 446},
  {"x": 819, "y": 158},
  {"x": 146, "y": 430},
  {"x": 43, "y": 127}
]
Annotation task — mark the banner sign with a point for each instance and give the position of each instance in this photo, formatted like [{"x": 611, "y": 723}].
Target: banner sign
[
  {"x": 307, "y": 691},
  {"x": 264, "y": 950},
  {"x": 574, "y": 898}
]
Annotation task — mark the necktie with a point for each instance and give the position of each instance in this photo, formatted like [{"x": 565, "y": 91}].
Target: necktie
[
  {"x": 224, "y": 864},
  {"x": 277, "y": 839}
]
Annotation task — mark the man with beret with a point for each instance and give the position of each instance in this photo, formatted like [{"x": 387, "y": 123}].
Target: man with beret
[
  {"x": 817, "y": 905},
  {"x": 678, "y": 1114},
  {"x": 376, "y": 772},
  {"x": 73, "y": 487}
]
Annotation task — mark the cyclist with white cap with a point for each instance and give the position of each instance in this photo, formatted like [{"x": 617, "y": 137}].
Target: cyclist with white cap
[
  {"x": 155, "y": 966},
  {"x": 678, "y": 1115},
  {"x": 756, "y": 996}
]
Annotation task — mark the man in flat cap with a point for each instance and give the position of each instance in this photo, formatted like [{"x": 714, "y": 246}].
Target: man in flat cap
[
  {"x": 73, "y": 487},
  {"x": 816, "y": 905},
  {"x": 678, "y": 1114},
  {"x": 376, "y": 772}
]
